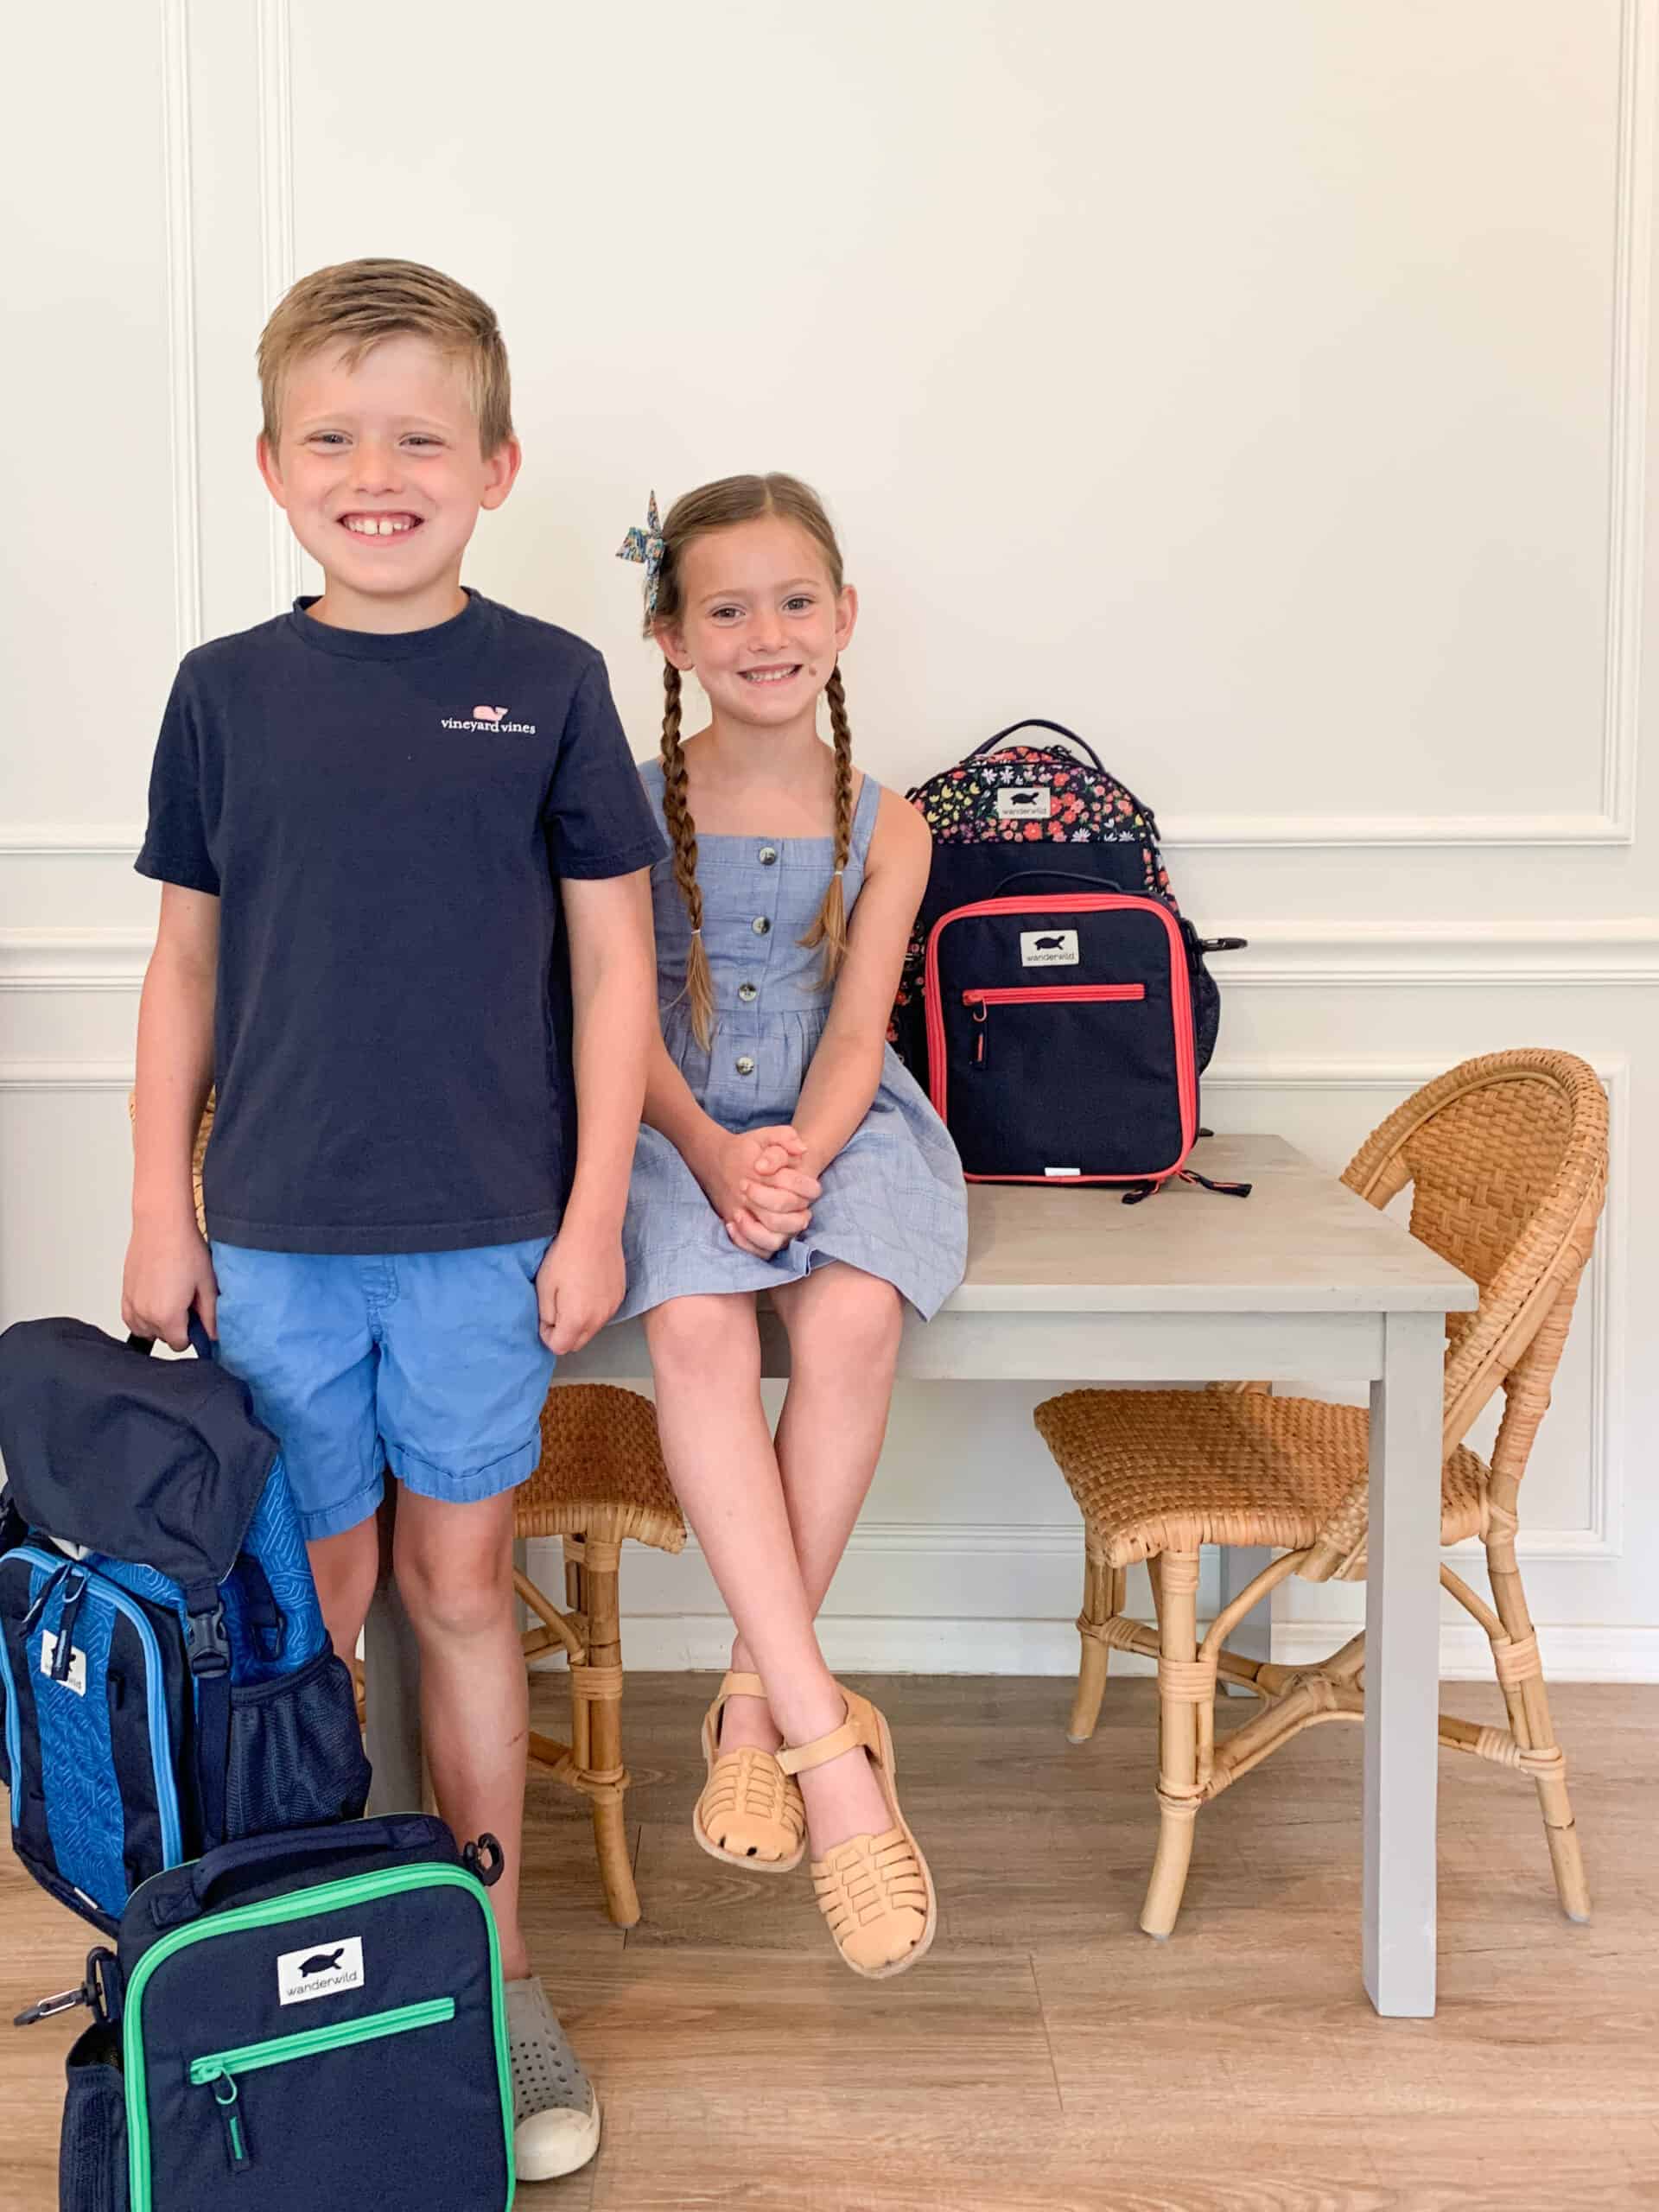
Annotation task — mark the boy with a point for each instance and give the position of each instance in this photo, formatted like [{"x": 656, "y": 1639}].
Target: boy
[{"x": 366, "y": 818}]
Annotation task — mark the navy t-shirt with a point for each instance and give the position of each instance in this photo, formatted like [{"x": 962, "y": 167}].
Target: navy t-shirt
[{"x": 384, "y": 820}]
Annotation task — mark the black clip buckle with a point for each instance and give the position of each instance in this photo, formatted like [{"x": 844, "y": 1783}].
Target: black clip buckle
[
  {"x": 207, "y": 1644},
  {"x": 484, "y": 1859},
  {"x": 65, "y": 2001}
]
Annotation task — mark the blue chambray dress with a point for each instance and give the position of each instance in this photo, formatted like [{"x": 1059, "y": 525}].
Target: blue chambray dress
[{"x": 893, "y": 1201}]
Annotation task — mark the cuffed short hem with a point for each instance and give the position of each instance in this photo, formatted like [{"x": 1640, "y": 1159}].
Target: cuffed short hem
[
  {"x": 336, "y": 1520},
  {"x": 464, "y": 1486}
]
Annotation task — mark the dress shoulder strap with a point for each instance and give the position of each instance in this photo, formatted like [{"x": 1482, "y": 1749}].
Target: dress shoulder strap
[{"x": 864, "y": 814}]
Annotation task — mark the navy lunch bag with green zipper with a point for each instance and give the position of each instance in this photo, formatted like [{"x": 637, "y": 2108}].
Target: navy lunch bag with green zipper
[
  {"x": 166, "y": 1680},
  {"x": 315, "y": 2019}
]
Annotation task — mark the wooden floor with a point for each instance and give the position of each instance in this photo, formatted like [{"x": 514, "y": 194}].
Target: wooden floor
[{"x": 1047, "y": 2058}]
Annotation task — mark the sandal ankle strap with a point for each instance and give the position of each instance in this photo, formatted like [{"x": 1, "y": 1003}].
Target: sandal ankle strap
[
  {"x": 737, "y": 1685},
  {"x": 795, "y": 1758}
]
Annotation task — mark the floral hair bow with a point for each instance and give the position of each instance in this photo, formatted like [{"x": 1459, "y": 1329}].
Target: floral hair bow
[{"x": 646, "y": 546}]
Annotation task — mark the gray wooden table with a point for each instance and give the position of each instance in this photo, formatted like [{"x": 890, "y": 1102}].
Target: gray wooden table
[{"x": 1302, "y": 1283}]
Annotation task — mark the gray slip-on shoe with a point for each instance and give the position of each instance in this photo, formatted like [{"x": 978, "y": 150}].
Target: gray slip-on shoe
[{"x": 554, "y": 2112}]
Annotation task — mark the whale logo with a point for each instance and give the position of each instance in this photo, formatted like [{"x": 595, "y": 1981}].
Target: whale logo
[{"x": 489, "y": 714}]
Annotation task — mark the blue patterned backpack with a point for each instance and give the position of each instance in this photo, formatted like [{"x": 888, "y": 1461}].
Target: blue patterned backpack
[{"x": 167, "y": 1684}]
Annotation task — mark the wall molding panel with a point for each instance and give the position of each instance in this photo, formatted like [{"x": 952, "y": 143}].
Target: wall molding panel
[
  {"x": 1619, "y": 706},
  {"x": 275, "y": 108},
  {"x": 1282, "y": 955},
  {"x": 182, "y": 324}
]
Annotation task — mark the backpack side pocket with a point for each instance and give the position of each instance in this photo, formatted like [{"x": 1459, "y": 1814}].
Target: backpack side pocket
[
  {"x": 296, "y": 1754},
  {"x": 92, "y": 2146}
]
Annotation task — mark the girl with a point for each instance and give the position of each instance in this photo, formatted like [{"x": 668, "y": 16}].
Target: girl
[{"x": 785, "y": 1149}]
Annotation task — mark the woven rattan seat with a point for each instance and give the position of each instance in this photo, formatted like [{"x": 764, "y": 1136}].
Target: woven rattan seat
[
  {"x": 1506, "y": 1157},
  {"x": 1167, "y": 1470},
  {"x": 599, "y": 1459}
]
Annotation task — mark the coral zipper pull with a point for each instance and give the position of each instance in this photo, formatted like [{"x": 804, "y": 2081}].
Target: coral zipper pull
[
  {"x": 236, "y": 2143},
  {"x": 1225, "y": 1190},
  {"x": 972, "y": 999}
]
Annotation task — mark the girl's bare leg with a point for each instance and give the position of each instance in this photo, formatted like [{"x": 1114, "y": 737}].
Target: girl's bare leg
[
  {"x": 706, "y": 1357},
  {"x": 843, "y": 1327}
]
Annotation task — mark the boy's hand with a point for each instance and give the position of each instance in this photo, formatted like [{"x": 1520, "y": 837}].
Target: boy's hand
[
  {"x": 758, "y": 1186},
  {"x": 579, "y": 1285},
  {"x": 168, "y": 1270}
]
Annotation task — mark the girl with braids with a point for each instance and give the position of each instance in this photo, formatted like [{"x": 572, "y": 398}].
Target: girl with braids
[{"x": 785, "y": 1149}]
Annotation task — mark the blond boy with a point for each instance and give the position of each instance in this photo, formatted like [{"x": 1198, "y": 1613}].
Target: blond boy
[{"x": 371, "y": 819}]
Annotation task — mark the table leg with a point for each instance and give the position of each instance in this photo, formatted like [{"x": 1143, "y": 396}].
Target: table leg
[
  {"x": 392, "y": 1689},
  {"x": 1402, "y": 1632},
  {"x": 1252, "y": 1637}
]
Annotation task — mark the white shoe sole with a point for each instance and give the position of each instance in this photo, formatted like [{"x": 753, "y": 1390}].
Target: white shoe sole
[{"x": 567, "y": 2154}]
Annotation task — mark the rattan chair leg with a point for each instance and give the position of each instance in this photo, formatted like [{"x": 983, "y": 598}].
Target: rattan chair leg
[
  {"x": 1179, "y": 1793},
  {"x": 599, "y": 1739},
  {"x": 1102, "y": 1599},
  {"x": 1521, "y": 1675}
]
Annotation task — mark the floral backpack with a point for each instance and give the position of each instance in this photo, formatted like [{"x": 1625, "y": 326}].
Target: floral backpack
[{"x": 1029, "y": 822}]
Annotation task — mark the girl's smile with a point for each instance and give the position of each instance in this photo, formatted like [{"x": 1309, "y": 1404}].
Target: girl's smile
[{"x": 762, "y": 624}]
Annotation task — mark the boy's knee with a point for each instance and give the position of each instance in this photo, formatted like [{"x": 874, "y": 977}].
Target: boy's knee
[{"x": 456, "y": 1596}]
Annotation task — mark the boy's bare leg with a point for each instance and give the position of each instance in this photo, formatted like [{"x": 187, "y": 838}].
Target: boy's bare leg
[
  {"x": 453, "y": 1569},
  {"x": 345, "y": 1569}
]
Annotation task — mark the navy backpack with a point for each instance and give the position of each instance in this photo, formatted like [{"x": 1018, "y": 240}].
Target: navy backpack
[
  {"x": 167, "y": 1684},
  {"x": 1055, "y": 1003}
]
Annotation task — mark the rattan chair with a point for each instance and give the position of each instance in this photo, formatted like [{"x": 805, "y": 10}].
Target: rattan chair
[
  {"x": 600, "y": 1480},
  {"x": 1507, "y": 1159}
]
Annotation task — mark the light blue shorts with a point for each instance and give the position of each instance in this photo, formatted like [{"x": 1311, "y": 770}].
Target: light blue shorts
[{"x": 430, "y": 1362}]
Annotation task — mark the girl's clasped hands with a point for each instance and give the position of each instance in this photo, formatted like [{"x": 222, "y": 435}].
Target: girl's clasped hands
[{"x": 759, "y": 1183}]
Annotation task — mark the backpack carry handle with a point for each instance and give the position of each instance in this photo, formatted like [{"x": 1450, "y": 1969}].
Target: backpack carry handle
[
  {"x": 1059, "y": 876},
  {"x": 399, "y": 1832},
  {"x": 200, "y": 1343},
  {"x": 1071, "y": 875},
  {"x": 1036, "y": 721}
]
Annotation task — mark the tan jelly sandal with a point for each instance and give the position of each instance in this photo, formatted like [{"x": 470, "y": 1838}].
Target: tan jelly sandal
[
  {"x": 874, "y": 1890},
  {"x": 750, "y": 1812}
]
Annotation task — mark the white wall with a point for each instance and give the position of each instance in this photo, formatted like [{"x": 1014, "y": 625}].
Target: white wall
[{"x": 1262, "y": 391}]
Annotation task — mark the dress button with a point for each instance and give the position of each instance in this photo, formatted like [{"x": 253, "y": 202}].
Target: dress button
[
  {"x": 760, "y": 926},
  {"x": 745, "y": 1065},
  {"x": 768, "y": 855},
  {"x": 746, "y": 992}
]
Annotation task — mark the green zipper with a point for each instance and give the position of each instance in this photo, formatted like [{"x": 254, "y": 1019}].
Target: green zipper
[
  {"x": 220, "y": 2070},
  {"x": 309, "y": 2041},
  {"x": 328, "y": 1897}
]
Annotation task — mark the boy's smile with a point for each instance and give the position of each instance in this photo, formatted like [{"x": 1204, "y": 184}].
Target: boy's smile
[{"x": 380, "y": 473}]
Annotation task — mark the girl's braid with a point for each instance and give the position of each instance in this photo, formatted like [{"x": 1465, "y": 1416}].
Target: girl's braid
[
  {"x": 699, "y": 983},
  {"x": 830, "y": 924}
]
